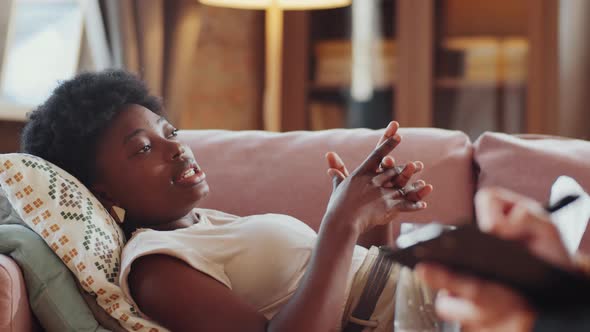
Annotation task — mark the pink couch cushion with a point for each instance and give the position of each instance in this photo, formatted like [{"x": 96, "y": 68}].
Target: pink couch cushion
[
  {"x": 529, "y": 164},
  {"x": 254, "y": 172},
  {"x": 15, "y": 315}
]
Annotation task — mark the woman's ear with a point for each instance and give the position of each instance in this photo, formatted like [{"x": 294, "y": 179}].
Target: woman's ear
[
  {"x": 101, "y": 194},
  {"x": 116, "y": 212}
]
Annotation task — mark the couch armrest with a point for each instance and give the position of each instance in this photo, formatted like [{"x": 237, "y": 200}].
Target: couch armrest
[{"x": 15, "y": 313}]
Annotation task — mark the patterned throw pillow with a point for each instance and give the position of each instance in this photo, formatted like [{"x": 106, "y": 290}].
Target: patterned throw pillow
[{"x": 75, "y": 226}]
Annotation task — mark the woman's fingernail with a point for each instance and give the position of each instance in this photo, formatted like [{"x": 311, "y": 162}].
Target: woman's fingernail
[
  {"x": 399, "y": 169},
  {"x": 419, "y": 185},
  {"x": 420, "y": 205},
  {"x": 387, "y": 132}
]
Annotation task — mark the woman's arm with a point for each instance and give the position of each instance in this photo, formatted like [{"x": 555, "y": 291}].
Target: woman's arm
[
  {"x": 184, "y": 299},
  {"x": 181, "y": 298}
]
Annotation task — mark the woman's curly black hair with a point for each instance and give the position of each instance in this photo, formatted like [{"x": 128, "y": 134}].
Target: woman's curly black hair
[{"x": 64, "y": 130}]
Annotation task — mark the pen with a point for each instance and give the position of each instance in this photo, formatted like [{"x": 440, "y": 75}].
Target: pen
[{"x": 561, "y": 203}]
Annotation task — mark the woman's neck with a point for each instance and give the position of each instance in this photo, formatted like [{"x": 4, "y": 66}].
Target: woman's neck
[
  {"x": 190, "y": 219},
  {"x": 184, "y": 222}
]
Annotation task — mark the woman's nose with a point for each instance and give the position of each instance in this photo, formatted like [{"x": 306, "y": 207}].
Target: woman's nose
[{"x": 178, "y": 150}]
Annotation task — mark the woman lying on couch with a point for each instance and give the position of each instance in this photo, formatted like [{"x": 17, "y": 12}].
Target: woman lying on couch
[
  {"x": 203, "y": 270},
  {"x": 484, "y": 306}
]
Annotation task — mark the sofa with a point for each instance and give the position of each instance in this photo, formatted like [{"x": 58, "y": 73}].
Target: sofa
[{"x": 252, "y": 172}]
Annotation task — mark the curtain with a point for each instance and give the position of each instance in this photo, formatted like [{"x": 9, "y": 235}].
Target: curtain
[
  {"x": 574, "y": 68},
  {"x": 156, "y": 39}
]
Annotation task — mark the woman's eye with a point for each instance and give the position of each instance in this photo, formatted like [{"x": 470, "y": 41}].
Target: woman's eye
[
  {"x": 173, "y": 134},
  {"x": 145, "y": 148}
]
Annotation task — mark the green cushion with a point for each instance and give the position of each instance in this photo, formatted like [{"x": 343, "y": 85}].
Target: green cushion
[{"x": 53, "y": 294}]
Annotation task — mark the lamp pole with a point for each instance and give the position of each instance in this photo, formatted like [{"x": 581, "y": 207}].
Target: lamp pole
[{"x": 273, "y": 70}]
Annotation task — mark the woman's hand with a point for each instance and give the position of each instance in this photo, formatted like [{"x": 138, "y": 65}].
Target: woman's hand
[
  {"x": 484, "y": 306},
  {"x": 371, "y": 196},
  {"x": 415, "y": 192}
]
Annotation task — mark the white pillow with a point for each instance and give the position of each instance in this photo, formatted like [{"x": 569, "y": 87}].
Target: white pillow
[
  {"x": 77, "y": 228},
  {"x": 572, "y": 219}
]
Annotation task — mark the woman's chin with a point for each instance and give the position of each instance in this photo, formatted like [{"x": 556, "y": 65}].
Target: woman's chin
[{"x": 199, "y": 192}]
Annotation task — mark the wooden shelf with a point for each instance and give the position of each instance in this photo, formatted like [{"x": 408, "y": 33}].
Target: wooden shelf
[
  {"x": 315, "y": 87},
  {"x": 417, "y": 29},
  {"x": 461, "y": 83}
]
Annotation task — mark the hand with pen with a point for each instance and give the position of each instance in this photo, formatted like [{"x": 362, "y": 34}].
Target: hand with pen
[{"x": 485, "y": 306}]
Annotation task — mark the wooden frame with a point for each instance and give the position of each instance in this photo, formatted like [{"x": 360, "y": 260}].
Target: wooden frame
[
  {"x": 543, "y": 69},
  {"x": 295, "y": 70},
  {"x": 414, "y": 88},
  {"x": 5, "y": 10}
]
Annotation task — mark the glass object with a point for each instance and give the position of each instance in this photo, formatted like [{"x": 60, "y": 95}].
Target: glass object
[
  {"x": 43, "y": 47},
  {"x": 481, "y": 61},
  {"x": 414, "y": 308}
]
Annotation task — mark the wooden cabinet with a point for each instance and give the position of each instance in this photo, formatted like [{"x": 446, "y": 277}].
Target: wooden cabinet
[{"x": 472, "y": 65}]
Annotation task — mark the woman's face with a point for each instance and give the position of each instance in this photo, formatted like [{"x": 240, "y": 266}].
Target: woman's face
[{"x": 143, "y": 168}]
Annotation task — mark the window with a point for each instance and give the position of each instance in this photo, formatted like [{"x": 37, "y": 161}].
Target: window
[{"x": 43, "y": 44}]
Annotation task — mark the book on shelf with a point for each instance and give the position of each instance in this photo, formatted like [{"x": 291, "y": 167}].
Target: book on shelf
[
  {"x": 326, "y": 115},
  {"x": 489, "y": 58},
  {"x": 334, "y": 61}
]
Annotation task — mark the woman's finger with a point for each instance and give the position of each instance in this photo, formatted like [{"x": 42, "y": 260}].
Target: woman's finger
[
  {"x": 404, "y": 175},
  {"x": 390, "y": 130},
  {"x": 374, "y": 159},
  {"x": 387, "y": 163},
  {"x": 407, "y": 206},
  {"x": 336, "y": 176},
  {"x": 418, "y": 191},
  {"x": 419, "y": 166},
  {"x": 334, "y": 161}
]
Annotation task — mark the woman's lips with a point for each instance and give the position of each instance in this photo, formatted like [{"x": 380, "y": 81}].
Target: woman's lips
[{"x": 191, "y": 176}]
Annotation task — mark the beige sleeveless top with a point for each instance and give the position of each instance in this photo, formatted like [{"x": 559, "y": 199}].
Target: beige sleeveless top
[{"x": 261, "y": 258}]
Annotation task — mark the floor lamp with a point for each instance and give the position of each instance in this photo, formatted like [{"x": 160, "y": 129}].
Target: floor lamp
[{"x": 274, "y": 45}]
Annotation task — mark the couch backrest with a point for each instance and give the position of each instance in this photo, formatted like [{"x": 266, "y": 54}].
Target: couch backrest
[{"x": 252, "y": 172}]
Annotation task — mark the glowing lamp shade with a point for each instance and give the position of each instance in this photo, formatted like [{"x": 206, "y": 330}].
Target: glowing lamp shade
[
  {"x": 283, "y": 4},
  {"x": 271, "y": 113}
]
